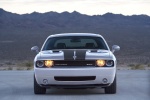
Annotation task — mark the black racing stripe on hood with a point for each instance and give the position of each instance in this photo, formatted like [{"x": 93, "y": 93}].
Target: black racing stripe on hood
[{"x": 74, "y": 54}]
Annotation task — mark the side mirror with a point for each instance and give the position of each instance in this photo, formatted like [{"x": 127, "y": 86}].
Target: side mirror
[
  {"x": 35, "y": 48},
  {"x": 115, "y": 48}
]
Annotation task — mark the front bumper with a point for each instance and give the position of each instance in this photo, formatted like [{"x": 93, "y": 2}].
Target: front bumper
[
  {"x": 75, "y": 86},
  {"x": 49, "y": 74}
]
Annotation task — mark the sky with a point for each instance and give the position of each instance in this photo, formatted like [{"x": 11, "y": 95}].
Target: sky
[{"x": 89, "y": 7}]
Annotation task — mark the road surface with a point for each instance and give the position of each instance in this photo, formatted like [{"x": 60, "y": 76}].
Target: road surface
[{"x": 132, "y": 85}]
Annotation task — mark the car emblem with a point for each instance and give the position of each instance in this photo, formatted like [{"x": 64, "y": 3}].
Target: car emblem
[{"x": 74, "y": 56}]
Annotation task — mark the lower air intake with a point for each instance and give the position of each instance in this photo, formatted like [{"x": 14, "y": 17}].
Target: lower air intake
[{"x": 77, "y": 78}]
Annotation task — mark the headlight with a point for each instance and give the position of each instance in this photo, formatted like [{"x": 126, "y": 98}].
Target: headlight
[
  {"x": 48, "y": 63},
  {"x": 44, "y": 63},
  {"x": 100, "y": 63},
  {"x": 109, "y": 63},
  {"x": 105, "y": 63},
  {"x": 39, "y": 63}
]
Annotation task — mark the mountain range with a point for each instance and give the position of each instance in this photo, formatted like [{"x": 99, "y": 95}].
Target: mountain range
[{"x": 18, "y": 33}]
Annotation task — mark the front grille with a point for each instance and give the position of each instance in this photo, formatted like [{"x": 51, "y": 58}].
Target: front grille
[
  {"x": 75, "y": 78},
  {"x": 74, "y": 63}
]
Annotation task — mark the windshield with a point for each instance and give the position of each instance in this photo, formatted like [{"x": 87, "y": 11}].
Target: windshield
[{"x": 75, "y": 42}]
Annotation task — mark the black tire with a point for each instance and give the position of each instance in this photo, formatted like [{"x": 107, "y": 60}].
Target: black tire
[
  {"x": 37, "y": 88},
  {"x": 112, "y": 88}
]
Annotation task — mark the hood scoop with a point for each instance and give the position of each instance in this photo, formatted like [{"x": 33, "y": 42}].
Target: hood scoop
[
  {"x": 97, "y": 51},
  {"x": 52, "y": 54},
  {"x": 97, "y": 54},
  {"x": 51, "y": 51}
]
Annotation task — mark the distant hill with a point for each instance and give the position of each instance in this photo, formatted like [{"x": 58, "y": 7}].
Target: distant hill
[{"x": 18, "y": 33}]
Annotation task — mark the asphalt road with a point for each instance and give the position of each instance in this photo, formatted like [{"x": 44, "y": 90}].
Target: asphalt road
[{"x": 132, "y": 85}]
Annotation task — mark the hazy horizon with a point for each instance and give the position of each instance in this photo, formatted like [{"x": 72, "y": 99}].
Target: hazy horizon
[
  {"x": 88, "y": 7},
  {"x": 71, "y": 12}
]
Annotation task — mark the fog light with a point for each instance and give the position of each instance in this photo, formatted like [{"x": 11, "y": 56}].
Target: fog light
[
  {"x": 105, "y": 80},
  {"x": 45, "y": 81}
]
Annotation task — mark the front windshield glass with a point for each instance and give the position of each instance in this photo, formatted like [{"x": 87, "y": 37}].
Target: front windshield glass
[{"x": 75, "y": 42}]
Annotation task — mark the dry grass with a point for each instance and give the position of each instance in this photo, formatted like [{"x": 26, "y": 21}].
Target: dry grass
[
  {"x": 29, "y": 68},
  {"x": 137, "y": 67},
  {"x": 28, "y": 64},
  {"x": 20, "y": 68},
  {"x": 148, "y": 65},
  {"x": 16, "y": 65},
  {"x": 10, "y": 68},
  {"x": 131, "y": 65}
]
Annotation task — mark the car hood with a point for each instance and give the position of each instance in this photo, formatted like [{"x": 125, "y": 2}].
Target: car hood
[{"x": 77, "y": 54}]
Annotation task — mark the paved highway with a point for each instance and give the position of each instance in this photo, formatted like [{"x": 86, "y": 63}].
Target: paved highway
[{"x": 132, "y": 85}]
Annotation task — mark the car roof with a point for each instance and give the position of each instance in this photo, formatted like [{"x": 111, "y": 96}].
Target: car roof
[{"x": 75, "y": 34}]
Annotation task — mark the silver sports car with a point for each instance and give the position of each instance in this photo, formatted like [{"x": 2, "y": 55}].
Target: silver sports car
[{"x": 75, "y": 60}]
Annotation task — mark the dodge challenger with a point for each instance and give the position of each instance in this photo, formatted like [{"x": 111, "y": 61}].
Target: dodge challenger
[{"x": 75, "y": 60}]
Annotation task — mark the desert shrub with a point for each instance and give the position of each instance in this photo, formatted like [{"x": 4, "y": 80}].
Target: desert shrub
[
  {"x": 29, "y": 68},
  {"x": 20, "y": 68},
  {"x": 131, "y": 65},
  {"x": 28, "y": 64},
  {"x": 10, "y": 68},
  {"x": 138, "y": 67}
]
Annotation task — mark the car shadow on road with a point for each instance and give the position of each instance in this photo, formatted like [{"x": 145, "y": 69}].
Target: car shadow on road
[{"x": 74, "y": 91}]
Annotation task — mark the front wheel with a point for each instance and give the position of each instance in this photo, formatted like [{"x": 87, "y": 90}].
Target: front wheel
[
  {"x": 112, "y": 88},
  {"x": 37, "y": 88}
]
